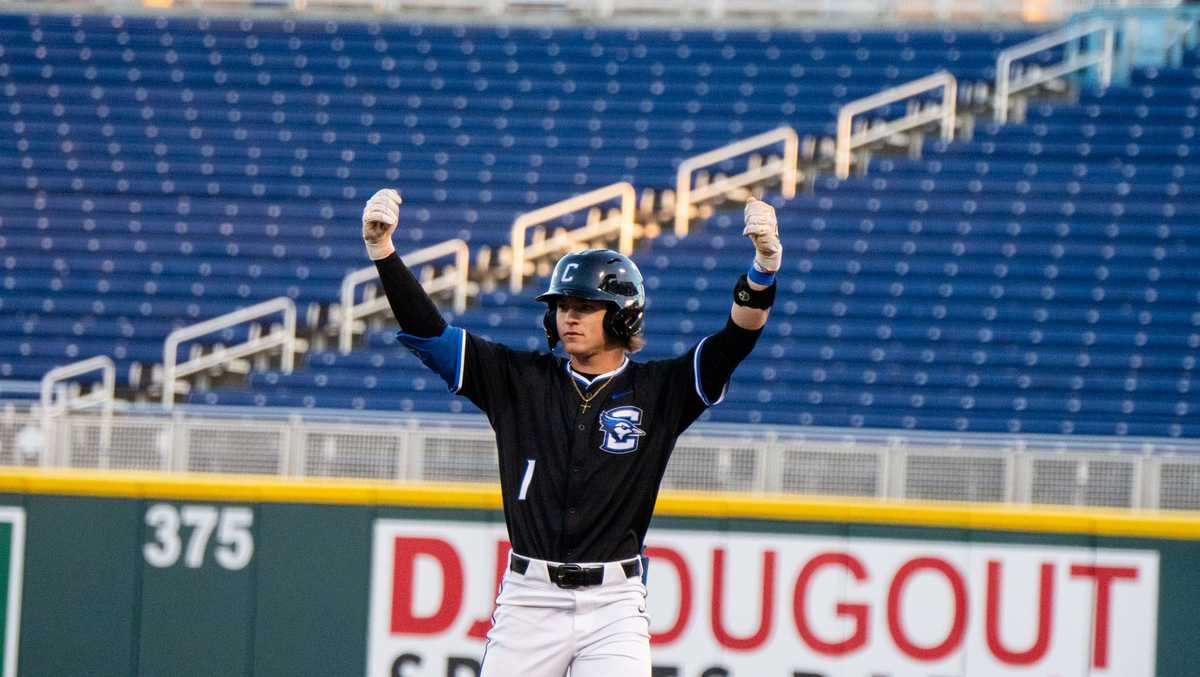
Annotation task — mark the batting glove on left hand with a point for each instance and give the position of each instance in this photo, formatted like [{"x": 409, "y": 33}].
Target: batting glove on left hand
[
  {"x": 763, "y": 230},
  {"x": 380, "y": 217}
]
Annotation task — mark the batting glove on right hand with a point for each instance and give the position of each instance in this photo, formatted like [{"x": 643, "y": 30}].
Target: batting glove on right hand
[
  {"x": 763, "y": 230},
  {"x": 380, "y": 217}
]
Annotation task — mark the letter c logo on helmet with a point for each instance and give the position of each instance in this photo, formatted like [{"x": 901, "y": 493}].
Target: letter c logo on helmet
[{"x": 598, "y": 275}]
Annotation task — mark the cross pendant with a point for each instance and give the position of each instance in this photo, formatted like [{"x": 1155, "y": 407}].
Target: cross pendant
[{"x": 583, "y": 408}]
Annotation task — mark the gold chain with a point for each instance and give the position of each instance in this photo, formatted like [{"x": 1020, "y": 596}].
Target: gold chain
[{"x": 586, "y": 398}]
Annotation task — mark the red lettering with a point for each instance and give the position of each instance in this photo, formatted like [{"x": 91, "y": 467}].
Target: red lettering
[
  {"x": 404, "y": 621},
  {"x": 684, "y": 574},
  {"x": 767, "y": 605},
  {"x": 479, "y": 629},
  {"x": 1104, "y": 577},
  {"x": 858, "y": 612},
  {"x": 957, "y": 627},
  {"x": 1044, "y": 623}
]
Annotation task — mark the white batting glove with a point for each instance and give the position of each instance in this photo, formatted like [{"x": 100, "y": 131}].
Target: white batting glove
[
  {"x": 380, "y": 217},
  {"x": 763, "y": 230}
]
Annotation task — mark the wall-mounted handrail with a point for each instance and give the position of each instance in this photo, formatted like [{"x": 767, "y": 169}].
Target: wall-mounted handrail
[
  {"x": 1006, "y": 85},
  {"x": 945, "y": 113},
  {"x": 622, "y": 225},
  {"x": 456, "y": 280},
  {"x": 786, "y": 168},
  {"x": 103, "y": 397},
  {"x": 285, "y": 337}
]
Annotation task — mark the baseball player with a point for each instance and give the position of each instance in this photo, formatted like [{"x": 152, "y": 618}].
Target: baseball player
[{"x": 583, "y": 441}]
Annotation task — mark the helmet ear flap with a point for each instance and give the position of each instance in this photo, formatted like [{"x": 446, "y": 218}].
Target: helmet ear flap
[
  {"x": 623, "y": 323},
  {"x": 613, "y": 324},
  {"x": 550, "y": 324},
  {"x": 635, "y": 316}
]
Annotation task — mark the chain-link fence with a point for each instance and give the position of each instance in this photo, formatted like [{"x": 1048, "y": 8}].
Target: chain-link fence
[
  {"x": 831, "y": 467},
  {"x": 700, "y": 464},
  {"x": 455, "y": 455},
  {"x": 1177, "y": 483},
  {"x": 1100, "y": 472},
  {"x": 360, "y": 452},
  {"x": 135, "y": 445},
  {"x": 950, "y": 476},
  {"x": 1081, "y": 480}
]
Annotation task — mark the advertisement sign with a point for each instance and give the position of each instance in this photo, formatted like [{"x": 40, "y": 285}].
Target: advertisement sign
[{"x": 752, "y": 605}]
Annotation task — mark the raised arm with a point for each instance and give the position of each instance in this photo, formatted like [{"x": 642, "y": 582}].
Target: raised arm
[
  {"x": 414, "y": 310},
  {"x": 754, "y": 296},
  {"x": 718, "y": 355}
]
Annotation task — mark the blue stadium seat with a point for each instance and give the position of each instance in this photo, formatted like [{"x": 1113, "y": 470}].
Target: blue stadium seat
[{"x": 1041, "y": 278}]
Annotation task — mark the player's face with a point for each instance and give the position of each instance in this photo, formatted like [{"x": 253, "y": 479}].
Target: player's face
[{"x": 581, "y": 326}]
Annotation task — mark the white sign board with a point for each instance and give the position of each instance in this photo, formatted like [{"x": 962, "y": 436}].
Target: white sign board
[{"x": 757, "y": 605}]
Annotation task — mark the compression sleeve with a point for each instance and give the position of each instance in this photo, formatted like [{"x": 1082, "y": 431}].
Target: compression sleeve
[
  {"x": 414, "y": 310},
  {"x": 717, "y": 356}
]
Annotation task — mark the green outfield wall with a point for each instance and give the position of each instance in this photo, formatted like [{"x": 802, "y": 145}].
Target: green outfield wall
[{"x": 154, "y": 575}]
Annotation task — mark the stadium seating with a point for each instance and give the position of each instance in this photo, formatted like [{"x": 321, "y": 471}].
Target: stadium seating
[
  {"x": 1041, "y": 278},
  {"x": 158, "y": 171}
]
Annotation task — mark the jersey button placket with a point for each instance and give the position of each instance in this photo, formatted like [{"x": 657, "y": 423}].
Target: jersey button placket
[{"x": 578, "y": 451}]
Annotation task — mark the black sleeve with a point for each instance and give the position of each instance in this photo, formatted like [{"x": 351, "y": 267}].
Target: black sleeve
[
  {"x": 719, "y": 355},
  {"x": 699, "y": 377},
  {"x": 478, "y": 369},
  {"x": 414, "y": 310}
]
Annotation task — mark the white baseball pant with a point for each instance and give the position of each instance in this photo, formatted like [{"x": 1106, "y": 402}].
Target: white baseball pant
[{"x": 542, "y": 630}]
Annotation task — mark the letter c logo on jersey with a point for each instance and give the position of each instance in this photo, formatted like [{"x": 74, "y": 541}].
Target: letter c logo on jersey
[{"x": 621, "y": 431}]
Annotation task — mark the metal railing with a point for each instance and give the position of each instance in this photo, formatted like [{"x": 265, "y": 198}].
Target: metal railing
[
  {"x": 764, "y": 460},
  {"x": 1181, "y": 36},
  {"x": 784, "y": 167},
  {"x": 454, "y": 279},
  {"x": 944, "y": 113},
  {"x": 103, "y": 397},
  {"x": 622, "y": 224},
  {"x": 283, "y": 337},
  {"x": 1007, "y": 85}
]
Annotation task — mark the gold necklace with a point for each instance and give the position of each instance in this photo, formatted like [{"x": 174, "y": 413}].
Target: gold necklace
[{"x": 583, "y": 407}]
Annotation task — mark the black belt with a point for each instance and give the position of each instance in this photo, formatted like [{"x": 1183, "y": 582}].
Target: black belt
[{"x": 571, "y": 576}]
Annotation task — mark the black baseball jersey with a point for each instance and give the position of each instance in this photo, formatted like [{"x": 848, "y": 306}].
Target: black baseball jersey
[{"x": 579, "y": 485}]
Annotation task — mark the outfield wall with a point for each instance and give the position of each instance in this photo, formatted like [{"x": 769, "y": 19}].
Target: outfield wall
[{"x": 163, "y": 575}]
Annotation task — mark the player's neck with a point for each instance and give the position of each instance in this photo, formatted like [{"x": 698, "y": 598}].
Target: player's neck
[{"x": 597, "y": 363}]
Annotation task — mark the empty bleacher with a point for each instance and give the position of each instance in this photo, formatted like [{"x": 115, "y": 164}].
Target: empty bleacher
[
  {"x": 1040, "y": 278},
  {"x": 159, "y": 171}
]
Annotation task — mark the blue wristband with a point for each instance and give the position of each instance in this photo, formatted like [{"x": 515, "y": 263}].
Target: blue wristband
[{"x": 759, "y": 277}]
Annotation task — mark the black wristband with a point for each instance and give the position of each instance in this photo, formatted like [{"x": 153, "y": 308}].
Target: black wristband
[{"x": 760, "y": 299}]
